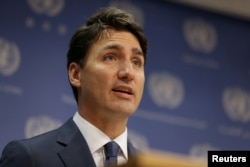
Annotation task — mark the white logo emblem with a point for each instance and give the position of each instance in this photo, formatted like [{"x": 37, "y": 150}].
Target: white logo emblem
[
  {"x": 139, "y": 141},
  {"x": 199, "y": 151},
  {"x": 9, "y": 57},
  {"x": 47, "y": 7},
  {"x": 200, "y": 35},
  {"x": 236, "y": 103},
  {"x": 166, "y": 90},
  {"x": 68, "y": 99},
  {"x": 40, "y": 124},
  {"x": 134, "y": 10}
]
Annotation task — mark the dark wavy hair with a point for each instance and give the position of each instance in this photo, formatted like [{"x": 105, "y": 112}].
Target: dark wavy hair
[{"x": 106, "y": 19}]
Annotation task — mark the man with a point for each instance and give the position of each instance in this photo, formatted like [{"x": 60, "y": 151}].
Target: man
[{"x": 105, "y": 65}]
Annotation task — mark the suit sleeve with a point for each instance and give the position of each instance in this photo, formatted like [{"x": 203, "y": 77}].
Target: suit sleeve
[{"x": 16, "y": 154}]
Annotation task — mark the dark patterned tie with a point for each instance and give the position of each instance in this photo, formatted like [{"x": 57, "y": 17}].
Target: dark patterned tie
[{"x": 111, "y": 152}]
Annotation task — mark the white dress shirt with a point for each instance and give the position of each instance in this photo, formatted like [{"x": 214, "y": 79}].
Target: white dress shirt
[{"x": 96, "y": 139}]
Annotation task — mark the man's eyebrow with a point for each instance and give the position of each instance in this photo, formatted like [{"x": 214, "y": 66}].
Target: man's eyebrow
[
  {"x": 137, "y": 51},
  {"x": 119, "y": 47},
  {"x": 112, "y": 47}
]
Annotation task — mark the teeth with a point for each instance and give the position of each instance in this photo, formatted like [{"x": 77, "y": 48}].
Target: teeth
[{"x": 123, "y": 90}]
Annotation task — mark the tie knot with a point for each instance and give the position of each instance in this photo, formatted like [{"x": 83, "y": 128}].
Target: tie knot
[{"x": 111, "y": 149}]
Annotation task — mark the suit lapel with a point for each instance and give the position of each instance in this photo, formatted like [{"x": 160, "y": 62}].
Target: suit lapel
[{"x": 76, "y": 152}]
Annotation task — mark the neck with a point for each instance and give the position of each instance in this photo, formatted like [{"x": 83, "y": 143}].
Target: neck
[{"x": 112, "y": 126}]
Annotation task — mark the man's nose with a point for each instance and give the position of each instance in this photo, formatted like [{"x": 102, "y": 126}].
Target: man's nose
[{"x": 126, "y": 71}]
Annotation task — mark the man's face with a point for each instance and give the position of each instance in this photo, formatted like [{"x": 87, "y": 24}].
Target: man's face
[{"x": 112, "y": 79}]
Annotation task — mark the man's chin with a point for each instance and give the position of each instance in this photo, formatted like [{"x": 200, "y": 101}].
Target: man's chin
[{"x": 124, "y": 111}]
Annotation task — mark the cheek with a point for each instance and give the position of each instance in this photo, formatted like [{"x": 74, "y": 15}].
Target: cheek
[
  {"x": 102, "y": 79},
  {"x": 142, "y": 78},
  {"x": 104, "y": 76},
  {"x": 96, "y": 73},
  {"x": 141, "y": 82}
]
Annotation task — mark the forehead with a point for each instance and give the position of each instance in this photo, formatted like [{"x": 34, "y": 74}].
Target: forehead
[{"x": 125, "y": 38}]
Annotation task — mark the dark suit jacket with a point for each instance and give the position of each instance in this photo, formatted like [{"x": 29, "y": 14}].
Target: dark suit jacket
[{"x": 63, "y": 147}]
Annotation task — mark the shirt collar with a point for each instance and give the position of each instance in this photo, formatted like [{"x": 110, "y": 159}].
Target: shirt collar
[{"x": 95, "y": 138}]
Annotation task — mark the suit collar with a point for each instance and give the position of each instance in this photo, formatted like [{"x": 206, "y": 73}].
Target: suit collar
[{"x": 75, "y": 146}]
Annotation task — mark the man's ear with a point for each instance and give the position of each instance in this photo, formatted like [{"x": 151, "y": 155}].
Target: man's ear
[{"x": 74, "y": 74}]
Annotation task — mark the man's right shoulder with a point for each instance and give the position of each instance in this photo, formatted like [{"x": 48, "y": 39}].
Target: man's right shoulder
[{"x": 46, "y": 145}]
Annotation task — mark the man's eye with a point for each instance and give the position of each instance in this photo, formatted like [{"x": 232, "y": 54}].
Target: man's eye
[
  {"x": 110, "y": 57},
  {"x": 137, "y": 62}
]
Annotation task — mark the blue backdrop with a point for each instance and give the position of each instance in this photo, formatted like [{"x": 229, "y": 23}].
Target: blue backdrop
[{"x": 197, "y": 91}]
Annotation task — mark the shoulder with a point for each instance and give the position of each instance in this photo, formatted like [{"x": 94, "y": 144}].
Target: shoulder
[
  {"x": 23, "y": 152},
  {"x": 16, "y": 154},
  {"x": 26, "y": 152}
]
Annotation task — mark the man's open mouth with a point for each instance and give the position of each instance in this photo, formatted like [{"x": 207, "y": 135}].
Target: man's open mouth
[{"x": 123, "y": 90}]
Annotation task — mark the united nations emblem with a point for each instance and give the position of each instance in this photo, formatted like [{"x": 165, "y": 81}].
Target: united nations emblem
[
  {"x": 40, "y": 124},
  {"x": 9, "y": 57},
  {"x": 138, "y": 140},
  {"x": 236, "y": 102},
  {"x": 200, "y": 35},
  {"x": 136, "y": 11},
  {"x": 47, "y": 7},
  {"x": 166, "y": 90},
  {"x": 199, "y": 151}
]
